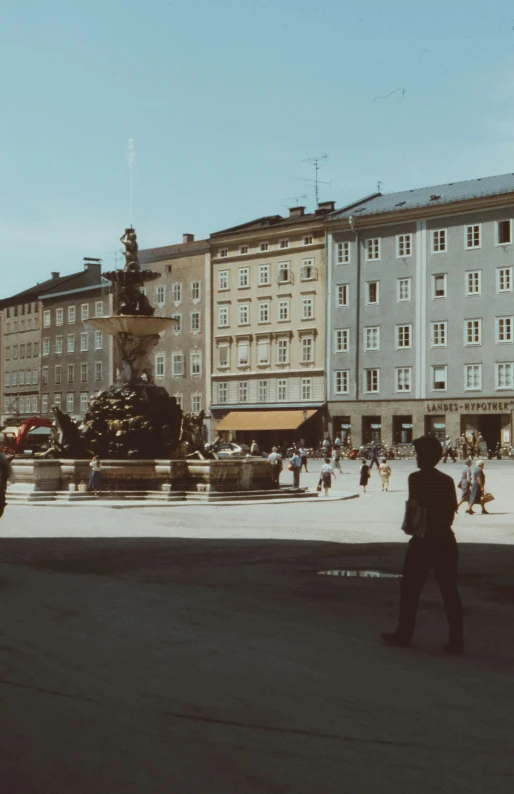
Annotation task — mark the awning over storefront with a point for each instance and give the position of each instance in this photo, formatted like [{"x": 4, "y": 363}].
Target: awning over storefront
[{"x": 264, "y": 420}]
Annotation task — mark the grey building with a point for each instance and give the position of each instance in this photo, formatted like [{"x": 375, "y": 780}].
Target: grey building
[{"x": 420, "y": 313}]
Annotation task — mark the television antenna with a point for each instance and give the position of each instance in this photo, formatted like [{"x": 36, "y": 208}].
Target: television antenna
[
  {"x": 295, "y": 198},
  {"x": 316, "y": 182}
]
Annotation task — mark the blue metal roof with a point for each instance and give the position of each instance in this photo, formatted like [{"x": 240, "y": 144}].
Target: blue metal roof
[{"x": 428, "y": 196}]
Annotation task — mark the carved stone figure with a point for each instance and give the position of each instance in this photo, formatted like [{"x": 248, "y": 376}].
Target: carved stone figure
[{"x": 132, "y": 357}]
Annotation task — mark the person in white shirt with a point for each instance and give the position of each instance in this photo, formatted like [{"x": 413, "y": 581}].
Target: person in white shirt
[
  {"x": 327, "y": 472},
  {"x": 95, "y": 480},
  {"x": 275, "y": 460},
  {"x": 295, "y": 464},
  {"x": 303, "y": 454},
  {"x": 384, "y": 471}
]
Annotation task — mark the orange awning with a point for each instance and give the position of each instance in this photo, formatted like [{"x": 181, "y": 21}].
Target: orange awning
[{"x": 264, "y": 420}]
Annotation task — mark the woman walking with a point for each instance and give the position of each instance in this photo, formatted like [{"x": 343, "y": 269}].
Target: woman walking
[
  {"x": 365, "y": 475},
  {"x": 477, "y": 489},
  {"x": 95, "y": 480},
  {"x": 327, "y": 472},
  {"x": 385, "y": 473},
  {"x": 465, "y": 484}
]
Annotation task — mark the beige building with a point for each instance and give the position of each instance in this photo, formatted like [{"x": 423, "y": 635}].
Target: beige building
[
  {"x": 268, "y": 328},
  {"x": 181, "y": 363}
]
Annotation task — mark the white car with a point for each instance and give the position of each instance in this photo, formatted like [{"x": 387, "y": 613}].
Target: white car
[{"x": 231, "y": 450}]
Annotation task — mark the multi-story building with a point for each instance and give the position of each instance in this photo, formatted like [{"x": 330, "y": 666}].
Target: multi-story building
[
  {"x": 181, "y": 360},
  {"x": 421, "y": 313},
  {"x": 268, "y": 320},
  {"x": 76, "y": 360}
]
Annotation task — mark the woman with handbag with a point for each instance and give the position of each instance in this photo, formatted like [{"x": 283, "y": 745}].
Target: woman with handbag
[
  {"x": 478, "y": 495},
  {"x": 465, "y": 484}
]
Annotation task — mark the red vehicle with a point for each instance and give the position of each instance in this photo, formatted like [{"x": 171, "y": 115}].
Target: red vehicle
[{"x": 26, "y": 436}]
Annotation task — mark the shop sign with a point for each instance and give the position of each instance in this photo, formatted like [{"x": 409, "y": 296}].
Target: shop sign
[
  {"x": 346, "y": 427},
  {"x": 439, "y": 426},
  {"x": 376, "y": 427},
  {"x": 503, "y": 406},
  {"x": 407, "y": 427}
]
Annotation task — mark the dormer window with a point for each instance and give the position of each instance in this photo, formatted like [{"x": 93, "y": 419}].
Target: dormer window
[{"x": 223, "y": 252}]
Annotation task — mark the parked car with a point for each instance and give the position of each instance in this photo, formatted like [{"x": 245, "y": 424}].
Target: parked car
[{"x": 232, "y": 450}]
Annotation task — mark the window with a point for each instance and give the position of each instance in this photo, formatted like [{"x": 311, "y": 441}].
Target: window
[
  {"x": 439, "y": 241},
  {"x": 71, "y": 314},
  {"x": 243, "y": 277},
  {"x": 473, "y": 282},
  {"x": 504, "y": 232},
  {"x": 196, "y": 363},
  {"x": 99, "y": 309},
  {"x": 372, "y": 249},
  {"x": 84, "y": 403},
  {"x": 504, "y": 376},
  {"x": 83, "y": 373},
  {"x": 223, "y": 280},
  {"x": 264, "y": 311},
  {"x": 342, "y": 253},
  {"x": 243, "y": 249},
  {"x": 57, "y": 373},
  {"x": 283, "y": 243},
  {"x": 223, "y": 252},
  {"x": 439, "y": 285},
  {"x": 264, "y": 275},
  {"x": 371, "y": 380},
  {"x": 27, "y": 377},
  {"x": 307, "y": 308},
  {"x": 71, "y": 343},
  {"x": 176, "y": 292},
  {"x": 35, "y": 349},
  {"x": 307, "y": 349},
  {"x": 57, "y": 400},
  {"x": 264, "y": 247},
  {"x": 473, "y": 335},
  {"x": 14, "y": 380},
  {"x": 7, "y": 378},
  {"x": 403, "y": 289},
  {"x": 71, "y": 373},
  {"x": 242, "y": 391},
  {"x": 70, "y": 402},
  {"x": 195, "y": 321},
  {"x": 243, "y": 354},
  {"x": 84, "y": 341},
  {"x": 223, "y": 355},
  {"x": 282, "y": 351},
  {"x": 306, "y": 388},
  {"x": 263, "y": 352},
  {"x": 439, "y": 378},
  {"x": 243, "y": 314},
  {"x": 372, "y": 291},
  {"x": 15, "y": 350},
  {"x": 196, "y": 290},
  {"x": 342, "y": 340},
  {"x": 168, "y": 268},
  {"x": 177, "y": 328},
  {"x": 223, "y": 316},
  {"x": 403, "y": 245},
  {"x": 473, "y": 236},
  {"x": 44, "y": 403},
  {"x": 283, "y": 310},
  {"x": 504, "y": 329},
  {"x": 262, "y": 391},
  {"x": 504, "y": 279},
  {"x": 21, "y": 405},
  {"x": 99, "y": 371},
  {"x": 84, "y": 311},
  {"x": 403, "y": 379},
  {"x": 159, "y": 365},
  {"x": 177, "y": 365},
  {"x": 47, "y": 317},
  {"x": 372, "y": 338},
  {"x": 22, "y": 377},
  {"x": 34, "y": 402},
  {"x": 222, "y": 392},
  {"x": 281, "y": 390},
  {"x": 439, "y": 334},
  {"x": 99, "y": 340},
  {"x": 22, "y": 351},
  {"x": 308, "y": 240},
  {"x": 7, "y": 353},
  {"x": 58, "y": 345},
  {"x": 342, "y": 381},
  {"x": 342, "y": 295},
  {"x": 29, "y": 349},
  {"x": 308, "y": 272},
  {"x": 160, "y": 296},
  {"x": 284, "y": 272},
  {"x": 44, "y": 376},
  {"x": 403, "y": 336},
  {"x": 59, "y": 316},
  {"x": 473, "y": 377}
]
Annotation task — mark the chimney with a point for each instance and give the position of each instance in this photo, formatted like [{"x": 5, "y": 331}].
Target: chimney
[
  {"x": 92, "y": 265},
  {"x": 326, "y": 206},
  {"x": 55, "y": 275},
  {"x": 188, "y": 238},
  {"x": 296, "y": 212}
]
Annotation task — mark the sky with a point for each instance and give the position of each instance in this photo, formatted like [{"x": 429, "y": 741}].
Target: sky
[{"x": 224, "y": 101}]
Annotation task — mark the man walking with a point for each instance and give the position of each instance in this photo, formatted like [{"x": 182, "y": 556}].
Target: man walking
[
  {"x": 448, "y": 450},
  {"x": 275, "y": 461},
  {"x": 374, "y": 456},
  {"x": 430, "y": 513},
  {"x": 296, "y": 465},
  {"x": 303, "y": 454}
]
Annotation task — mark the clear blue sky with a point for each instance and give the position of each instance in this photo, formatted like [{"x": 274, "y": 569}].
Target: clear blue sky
[{"x": 223, "y": 99}]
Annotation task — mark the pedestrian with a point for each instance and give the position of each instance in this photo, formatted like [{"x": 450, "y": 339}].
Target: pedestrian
[
  {"x": 336, "y": 460},
  {"x": 365, "y": 474},
  {"x": 429, "y": 517},
  {"x": 477, "y": 493},
  {"x": 473, "y": 444},
  {"x": 303, "y": 454},
  {"x": 463, "y": 447},
  {"x": 448, "y": 450},
  {"x": 337, "y": 442},
  {"x": 95, "y": 479},
  {"x": 275, "y": 461},
  {"x": 385, "y": 472},
  {"x": 374, "y": 455},
  {"x": 5, "y": 472},
  {"x": 254, "y": 449},
  {"x": 327, "y": 473},
  {"x": 295, "y": 465},
  {"x": 481, "y": 446},
  {"x": 465, "y": 483}
]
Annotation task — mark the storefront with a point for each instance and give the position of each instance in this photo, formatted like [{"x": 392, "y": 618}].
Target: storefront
[
  {"x": 371, "y": 429},
  {"x": 343, "y": 429},
  {"x": 273, "y": 428},
  {"x": 436, "y": 426},
  {"x": 402, "y": 429}
]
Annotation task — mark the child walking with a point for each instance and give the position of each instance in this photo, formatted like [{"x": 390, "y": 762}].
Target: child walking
[
  {"x": 385, "y": 472},
  {"x": 365, "y": 475}
]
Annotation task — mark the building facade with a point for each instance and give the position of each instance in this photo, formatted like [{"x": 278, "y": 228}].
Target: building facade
[
  {"x": 20, "y": 366},
  {"x": 421, "y": 314},
  {"x": 181, "y": 360},
  {"x": 268, "y": 328}
]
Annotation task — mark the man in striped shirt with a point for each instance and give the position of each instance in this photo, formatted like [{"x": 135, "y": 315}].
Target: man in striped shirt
[{"x": 437, "y": 550}]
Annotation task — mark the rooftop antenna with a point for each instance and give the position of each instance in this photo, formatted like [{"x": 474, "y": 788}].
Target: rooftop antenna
[
  {"x": 294, "y": 198},
  {"x": 131, "y": 159},
  {"x": 315, "y": 161},
  {"x": 379, "y": 185}
]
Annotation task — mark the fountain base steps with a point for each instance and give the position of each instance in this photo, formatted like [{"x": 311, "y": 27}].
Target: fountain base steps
[{"x": 157, "y": 497}]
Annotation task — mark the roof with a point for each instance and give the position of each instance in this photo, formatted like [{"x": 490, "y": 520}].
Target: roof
[
  {"x": 273, "y": 221},
  {"x": 85, "y": 278},
  {"x": 434, "y": 195},
  {"x": 147, "y": 255},
  {"x": 264, "y": 420}
]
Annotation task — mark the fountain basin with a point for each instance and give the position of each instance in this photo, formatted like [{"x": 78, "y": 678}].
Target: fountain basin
[{"x": 138, "y": 325}]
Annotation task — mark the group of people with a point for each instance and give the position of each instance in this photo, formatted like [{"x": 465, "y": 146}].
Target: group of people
[
  {"x": 466, "y": 446},
  {"x": 472, "y": 486}
]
